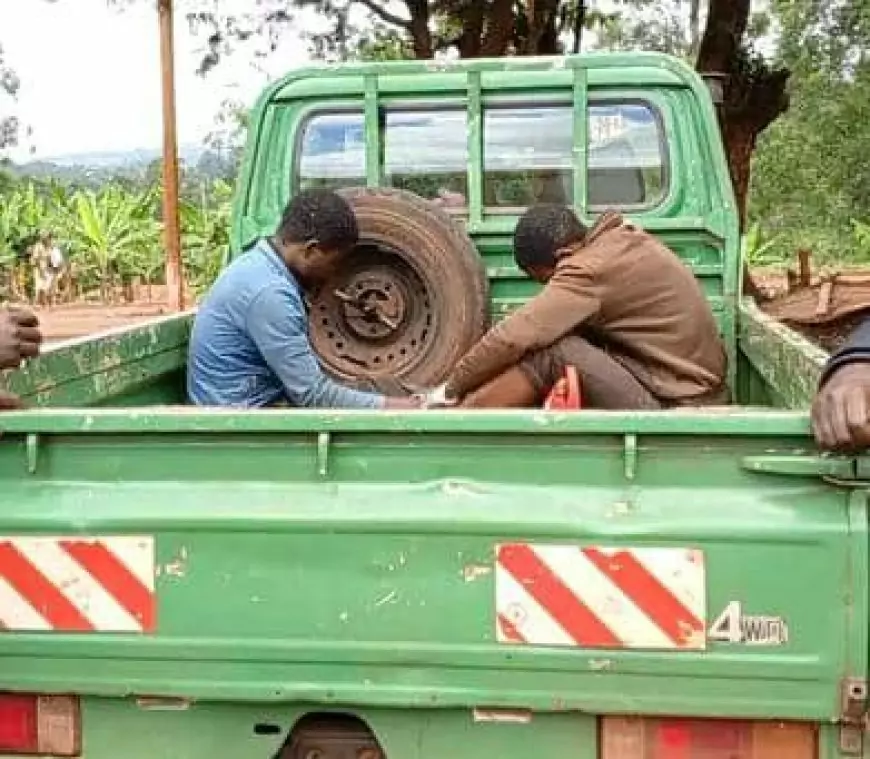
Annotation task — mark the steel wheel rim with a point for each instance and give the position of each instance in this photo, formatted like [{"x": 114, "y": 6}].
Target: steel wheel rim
[{"x": 376, "y": 318}]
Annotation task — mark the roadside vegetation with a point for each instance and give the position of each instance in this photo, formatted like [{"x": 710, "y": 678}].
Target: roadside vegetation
[
  {"x": 111, "y": 235},
  {"x": 810, "y": 178}
]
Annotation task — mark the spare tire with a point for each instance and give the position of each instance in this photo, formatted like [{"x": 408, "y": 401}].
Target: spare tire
[{"x": 411, "y": 300}]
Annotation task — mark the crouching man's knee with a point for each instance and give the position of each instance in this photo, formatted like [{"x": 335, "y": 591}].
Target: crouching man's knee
[
  {"x": 522, "y": 386},
  {"x": 604, "y": 382}
]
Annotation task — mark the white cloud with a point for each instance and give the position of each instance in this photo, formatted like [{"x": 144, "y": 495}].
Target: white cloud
[{"x": 91, "y": 75}]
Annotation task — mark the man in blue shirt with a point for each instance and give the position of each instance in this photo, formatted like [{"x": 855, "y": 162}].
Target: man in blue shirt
[{"x": 249, "y": 347}]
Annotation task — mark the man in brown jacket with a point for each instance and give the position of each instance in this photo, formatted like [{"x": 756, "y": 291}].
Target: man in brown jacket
[{"x": 617, "y": 305}]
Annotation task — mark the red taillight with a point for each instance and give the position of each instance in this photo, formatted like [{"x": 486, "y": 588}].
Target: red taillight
[
  {"x": 18, "y": 723},
  {"x": 643, "y": 738},
  {"x": 39, "y": 725}
]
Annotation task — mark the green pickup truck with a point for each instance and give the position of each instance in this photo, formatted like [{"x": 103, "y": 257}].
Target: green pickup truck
[{"x": 188, "y": 583}]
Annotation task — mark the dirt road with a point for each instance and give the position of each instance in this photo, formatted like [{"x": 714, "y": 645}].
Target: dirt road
[
  {"x": 68, "y": 321},
  {"x": 76, "y": 320}
]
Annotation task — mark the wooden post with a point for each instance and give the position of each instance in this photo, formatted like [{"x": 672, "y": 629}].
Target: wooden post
[
  {"x": 805, "y": 271},
  {"x": 171, "y": 231}
]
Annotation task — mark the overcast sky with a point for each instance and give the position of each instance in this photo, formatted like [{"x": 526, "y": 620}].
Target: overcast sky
[{"x": 90, "y": 75}]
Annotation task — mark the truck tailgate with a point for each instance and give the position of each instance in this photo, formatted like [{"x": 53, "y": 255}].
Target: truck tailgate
[{"x": 567, "y": 565}]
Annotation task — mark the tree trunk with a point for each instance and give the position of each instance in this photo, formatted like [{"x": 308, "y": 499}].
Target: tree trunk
[
  {"x": 754, "y": 95},
  {"x": 549, "y": 43},
  {"x": 421, "y": 39},
  {"x": 471, "y": 38},
  {"x": 739, "y": 141},
  {"x": 418, "y": 28},
  {"x": 579, "y": 23},
  {"x": 499, "y": 29},
  {"x": 543, "y": 33},
  {"x": 695, "y": 26},
  {"x": 751, "y": 105}
]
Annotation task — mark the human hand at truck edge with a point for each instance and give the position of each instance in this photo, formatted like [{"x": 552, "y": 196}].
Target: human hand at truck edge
[
  {"x": 437, "y": 397},
  {"x": 20, "y": 337},
  {"x": 10, "y": 401},
  {"x": 841, "y": 409}
]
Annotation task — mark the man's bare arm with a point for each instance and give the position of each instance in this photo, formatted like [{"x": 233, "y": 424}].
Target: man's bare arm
[
  {"x": 559, "y": 308},
  {"x": 841, "y": 409}
]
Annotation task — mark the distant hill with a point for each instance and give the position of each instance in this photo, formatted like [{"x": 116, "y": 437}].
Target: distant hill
[
  {"x": 108, "y": 159},
  {"x": 94, "y": 168}
]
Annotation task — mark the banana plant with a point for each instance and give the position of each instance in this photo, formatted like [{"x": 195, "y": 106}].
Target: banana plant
[
  {"x": 112, "y": 235},
  {"x": 861, "y": 233},
  {"x": 110, "y": 231},
  {"x": 205, "y": 235},
  {"x": 23, "y": 212},
  {"x": 756, "y": 251}
]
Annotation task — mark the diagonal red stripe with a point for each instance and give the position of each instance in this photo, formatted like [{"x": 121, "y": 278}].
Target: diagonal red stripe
[
  {"x": 40, "y": 593},
  {"x": 111, "y": 573},
  {"x": 644, "y": 589},
  {"x": 509, "y": 631},
  {"x": 550, "y": 592}
]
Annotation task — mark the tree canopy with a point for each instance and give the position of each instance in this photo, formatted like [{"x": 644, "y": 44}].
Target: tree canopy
[
  {"x": 811, "y": 186},
  {"x": 9, "y": 84},
  {"x": 797, "y": 76},
  {"x": 755, "y": 90},
  {"x": 797, "y": 72}
]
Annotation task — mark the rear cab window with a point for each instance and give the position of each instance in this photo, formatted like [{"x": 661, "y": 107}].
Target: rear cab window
[
  {"x": 527, "y": 154},
  {"x": 425, "y": 151}
]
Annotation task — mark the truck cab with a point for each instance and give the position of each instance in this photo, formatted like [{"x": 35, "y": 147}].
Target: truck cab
[
  {"x": 191, "y": 582},
  {"x": 484, "y": 141}
]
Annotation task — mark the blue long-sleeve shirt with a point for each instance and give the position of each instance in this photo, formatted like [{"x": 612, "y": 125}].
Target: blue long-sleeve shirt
[{"x": 249, "y": 346}]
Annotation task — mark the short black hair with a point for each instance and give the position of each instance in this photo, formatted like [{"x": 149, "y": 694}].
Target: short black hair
[
  {"x": 541, "y": 231},
  {"x": 320, "y": 215}
]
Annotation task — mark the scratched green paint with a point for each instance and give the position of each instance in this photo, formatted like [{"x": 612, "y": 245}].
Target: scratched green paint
[
  {"x": 253, "y": 609},
  {"x": 786, "y": 361},
  {"x": 343, "y": 560}
]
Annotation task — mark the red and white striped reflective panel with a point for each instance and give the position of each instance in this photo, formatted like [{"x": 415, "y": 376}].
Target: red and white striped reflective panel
[
  {"x": 76, "y": 584},
  {"x": 596, "y": 597}
]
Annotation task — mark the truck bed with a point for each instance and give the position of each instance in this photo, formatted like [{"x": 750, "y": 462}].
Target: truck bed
[
  {"x": 144, "y": 364},
  {"x": 296, "y": 560}
]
